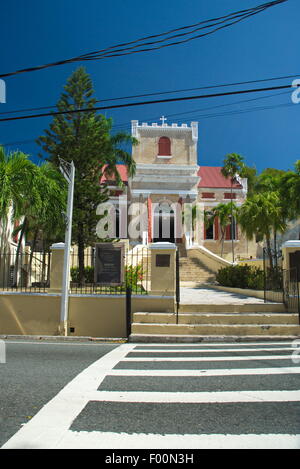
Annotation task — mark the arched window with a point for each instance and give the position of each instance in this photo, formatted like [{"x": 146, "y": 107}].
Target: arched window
[{"x": 164, "y": 146}]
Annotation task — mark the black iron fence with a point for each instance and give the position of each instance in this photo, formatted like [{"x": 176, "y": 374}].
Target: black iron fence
[
  {"x": 290, "y": 282},
  {"x": 24, "y": 271},
  {"x": 281, "y": 285},
  {"x": 31, "y": 272},
  {"x": 136, "y": 274}
]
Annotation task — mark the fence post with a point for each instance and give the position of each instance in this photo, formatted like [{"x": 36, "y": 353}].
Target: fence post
[
  {"x": 177, "y": 284},
  {"x": 128, "y": 311},
  {"x": 265, "y": 275},
  {"x": 163, "y": 269},
  {"x": 56, "y": 278},
  {"x": 57, "y": 267}
]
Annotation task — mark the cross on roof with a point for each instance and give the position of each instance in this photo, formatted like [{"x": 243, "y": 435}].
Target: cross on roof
[{"x": 163, "y": 119}]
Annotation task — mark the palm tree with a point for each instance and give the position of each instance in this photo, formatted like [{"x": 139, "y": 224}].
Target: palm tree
[
  {"x": 289, "y": 189},
  {"x": 16, "y": 176},
  {"x": 260, "y": 216},
  {"x": 49, "y": 220},
  {"x": 233, "y": 165}
]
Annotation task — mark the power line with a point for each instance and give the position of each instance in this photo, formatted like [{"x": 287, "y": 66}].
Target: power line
[
  {"x": 207, "y": 87},
  {"x": 206, "y": 109},
  {"x": 144, "y": 103},
  {"x": 200, "y": 117},
  {"x": 123, "y": 49}
]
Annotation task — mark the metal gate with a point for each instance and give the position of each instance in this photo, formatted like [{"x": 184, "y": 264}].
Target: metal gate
[{"x": 281, "y": 285}]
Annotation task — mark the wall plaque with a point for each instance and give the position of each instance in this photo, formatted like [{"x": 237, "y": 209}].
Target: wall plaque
[
  {"x": 163, "y": 260},
  {"x": 109, "y": 263}
]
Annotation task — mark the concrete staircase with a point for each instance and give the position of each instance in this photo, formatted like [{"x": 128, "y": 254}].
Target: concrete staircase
[
  {"x": 192, "y": 270},
  {"x": 216, "y": 322}
]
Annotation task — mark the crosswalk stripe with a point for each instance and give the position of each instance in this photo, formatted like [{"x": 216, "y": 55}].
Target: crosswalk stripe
[
  {"x": 179, "y": 350},
  {"x": 51, "y": 426},
  {"x": 109, "y": 440},
  {"x": 196, "y": 359},
  {"x": 217, "y": 344},
  {"x": 203, "y": 373},
  {"x": 195, "y": 397}
]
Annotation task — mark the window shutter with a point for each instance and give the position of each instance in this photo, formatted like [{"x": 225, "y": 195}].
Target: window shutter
[{"x": 164, "y": 146}]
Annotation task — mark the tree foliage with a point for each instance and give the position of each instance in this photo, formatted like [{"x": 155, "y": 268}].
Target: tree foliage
[{"x": 85, "y": 138}]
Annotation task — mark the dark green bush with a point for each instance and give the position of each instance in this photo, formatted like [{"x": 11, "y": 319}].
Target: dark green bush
[
  {"x": 241, "y": 276},
  {"x": 88, "y": 274}
]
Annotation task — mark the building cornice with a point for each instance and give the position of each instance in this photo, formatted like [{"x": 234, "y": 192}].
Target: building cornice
[{"x": 155, "y": 129}]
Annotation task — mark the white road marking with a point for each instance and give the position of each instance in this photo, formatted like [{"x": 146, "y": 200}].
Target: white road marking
[
  {"x": 108, "y": 440},
  {"x": 206, "y": 359},
  {"x": 195, "y": 397},
  {"x": 203, "y": 373},
  {"x": 48, "y": 426},
  {"x": 217, "y": 350},
  {"x": 91, "y": 343},
  {"x": 216, "y": 344}
]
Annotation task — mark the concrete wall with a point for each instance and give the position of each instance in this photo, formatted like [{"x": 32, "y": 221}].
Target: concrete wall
[
  {"x": 27, "y": 314},
  {"x": 90, "y": 316}
]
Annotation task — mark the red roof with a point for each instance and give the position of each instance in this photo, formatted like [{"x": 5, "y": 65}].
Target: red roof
[
  {"x": 122, "y": 170},
  {"x": 211, "y": 177}
]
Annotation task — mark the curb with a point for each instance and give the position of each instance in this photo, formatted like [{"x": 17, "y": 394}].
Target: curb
[
  {"x": 139, "y": 338},
  {"x": 56, "y": 338}
]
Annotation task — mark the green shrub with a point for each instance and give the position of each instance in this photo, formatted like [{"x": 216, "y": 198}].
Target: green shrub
[
  {"x": 241, "y": 276},
  {"x": 133, "y": 275},
  {"x": 88, "y": 274}
]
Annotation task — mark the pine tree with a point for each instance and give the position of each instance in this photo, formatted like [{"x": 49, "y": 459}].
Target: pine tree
[{"x": 85, "y": 138}]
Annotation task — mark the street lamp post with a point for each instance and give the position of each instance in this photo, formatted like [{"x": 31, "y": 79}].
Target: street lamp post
[{"x": 68, "y": 171}]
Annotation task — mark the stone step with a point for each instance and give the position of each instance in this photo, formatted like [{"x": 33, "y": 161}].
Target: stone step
[
  {"x": 233, "y": 308},
  {"x": 217, "y": 318},
  {"x": 216, "y": 329},
  {"x": 196, "y": 339}
]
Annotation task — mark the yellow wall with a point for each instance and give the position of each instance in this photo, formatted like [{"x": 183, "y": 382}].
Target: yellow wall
[
  {"x": 91, "y": 316},
  {"x": 29, "y": 314}
]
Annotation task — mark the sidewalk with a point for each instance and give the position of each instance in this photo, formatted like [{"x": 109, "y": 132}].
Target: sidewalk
[{"x": 209, "y": 295}]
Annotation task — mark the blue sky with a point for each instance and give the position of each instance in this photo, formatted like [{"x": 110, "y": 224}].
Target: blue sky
[{"x": 37, "y": 32}]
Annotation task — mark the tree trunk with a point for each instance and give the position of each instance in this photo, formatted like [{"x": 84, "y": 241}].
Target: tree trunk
[
  {"x": 275, "y": 249},
  {"x": 222, "y": 241},
  {"x": 18, "y": 252},
  {"x": 28, "y": 274},
  {"x": 268, "y": 241},
  {"x": 232, "y": 241}
]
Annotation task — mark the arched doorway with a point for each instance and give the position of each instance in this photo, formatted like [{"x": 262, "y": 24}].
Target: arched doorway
[{"x": 164, "y": 223}]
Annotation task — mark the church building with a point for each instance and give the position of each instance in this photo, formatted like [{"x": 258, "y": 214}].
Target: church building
[{"x": 168, "y": 179}]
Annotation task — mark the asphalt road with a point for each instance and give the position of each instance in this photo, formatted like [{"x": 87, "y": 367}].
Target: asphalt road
[
  {"x": 34, "y": 373},
  {"x": 130, "y": 396}
]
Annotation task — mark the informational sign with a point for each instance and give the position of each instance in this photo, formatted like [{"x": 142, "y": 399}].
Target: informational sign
[
  {"x": 162, "y": 260},
  {"x": 109, "y": 263}
]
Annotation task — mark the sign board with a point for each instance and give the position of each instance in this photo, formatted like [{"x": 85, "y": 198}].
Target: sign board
[
  {"x": 109, "y": 263},
  {"x": 163, "y": 260}
]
